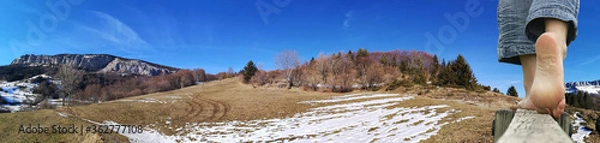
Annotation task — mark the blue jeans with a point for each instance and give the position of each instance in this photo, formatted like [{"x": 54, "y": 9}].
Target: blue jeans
[{"x": 521, "y": 22}]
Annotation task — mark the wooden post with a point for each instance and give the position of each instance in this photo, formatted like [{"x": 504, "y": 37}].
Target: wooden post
[
  {"x": 565, "y": 123},
  {"x": 529, "y": 126},
  {"x": 503, "y": 119}
]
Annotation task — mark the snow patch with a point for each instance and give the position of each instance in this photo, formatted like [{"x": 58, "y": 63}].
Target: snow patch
[
  {"x": 170, "y": 99},
  {"x": 464, "y": 118},
  {"x": 350, "y": 97},
  {"x": 369, "y": 120},
  {"x": 62, "y": 114},
  {"x": 18, "y": 93},
  {"x": 582, "y": 132}
]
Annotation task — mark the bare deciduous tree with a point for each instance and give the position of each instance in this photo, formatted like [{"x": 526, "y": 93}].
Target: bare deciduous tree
[
  {"x": 288, "y": 61},
  {"x": 312, "y": 77},
  {"x": 322, "y": 67},
  {"x": 374, "y": 75},
  {"x": 199, "y": 75},
  {"x": 185, "y": 78},
  {"x": 93, "y": 92},
  {"x": 70, "y": 80}
]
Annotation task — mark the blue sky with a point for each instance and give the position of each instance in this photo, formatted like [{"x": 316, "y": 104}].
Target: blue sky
[{"x": 216, "y": 35}]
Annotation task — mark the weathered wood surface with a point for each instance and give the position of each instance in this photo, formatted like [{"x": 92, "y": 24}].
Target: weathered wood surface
[
  {"x": 531, "y": 127},
  {"x": 503, "y": 119}
]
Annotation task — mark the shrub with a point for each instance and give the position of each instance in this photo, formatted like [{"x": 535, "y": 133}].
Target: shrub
[{"x": 46, "y": 104}]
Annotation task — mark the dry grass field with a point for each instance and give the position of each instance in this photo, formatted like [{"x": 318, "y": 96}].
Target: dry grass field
[{"x": 172, "y": 113}]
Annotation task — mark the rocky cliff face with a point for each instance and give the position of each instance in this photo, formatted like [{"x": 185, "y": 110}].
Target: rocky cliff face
[{"x": 96, "y": 63}]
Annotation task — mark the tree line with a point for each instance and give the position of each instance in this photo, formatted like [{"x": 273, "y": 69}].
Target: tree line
[
  {"x": 84, "y": 87},
  {"x": 364, "y": 70},
  {"x": 580, "y": 99}
]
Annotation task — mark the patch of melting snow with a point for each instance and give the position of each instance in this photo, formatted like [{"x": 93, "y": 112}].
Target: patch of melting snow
[
  {"x": 152, "y": 100},
  {"x": 464, "y": 118},
  {"x": 349, "y": 98},
  {"x": 12, "y": 108},
  {"x": 582, "y": 132},
  {"x": 146, "y": 136},
  {"x": 62, "y": 114},
  {"x": 17, "y": 93},
  {"x": 365, "y": 121}
]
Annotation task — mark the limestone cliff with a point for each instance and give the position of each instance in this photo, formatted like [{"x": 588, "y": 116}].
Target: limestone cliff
[{"x": 96, "y": 63}]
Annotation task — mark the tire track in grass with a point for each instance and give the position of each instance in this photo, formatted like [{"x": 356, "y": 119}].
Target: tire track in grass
[
  {"x": 366, "y": 120},
  {"x": 203, "y": 109}
]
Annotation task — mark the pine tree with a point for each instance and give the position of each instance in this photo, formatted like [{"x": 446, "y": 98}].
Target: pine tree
[
  {"x": 394, "y": 61},
  {"x": 586, "y": 99},
  {"x": 249, "y": 71},
  {"x": 404, "y": 67},
  {"x": 435, "y": 68},
  {"x": 384, "y": 60},
  {"x": 512, "y": 91},
  {"x": 447, "y": 76},
  {"x": 441, "y": 79},
  {"x": 496, "y": 90},
  {"x": 577, "y": 99},
  {"x": 568, "y": 99},
  {"x": 350, "y": 56},
  {"x": 419, "y": 73},
  {"x": 463, "y": 73},
  {"x": 362, "y": 53}
]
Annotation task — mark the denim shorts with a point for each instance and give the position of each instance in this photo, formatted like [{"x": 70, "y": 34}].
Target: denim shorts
[{"x": 521, "y": 22}]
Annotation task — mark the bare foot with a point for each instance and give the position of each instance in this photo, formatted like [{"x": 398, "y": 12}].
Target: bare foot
[
  {"x": 526, "y": 104},
  {"x": 547, "y": 90}
]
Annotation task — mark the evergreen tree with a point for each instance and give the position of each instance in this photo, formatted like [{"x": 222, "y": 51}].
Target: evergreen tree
[
  {"x": 440, "y": 77},
  {"x": 384, "y": 60},
  {"x": 512, "y": 91},
  {"x": 435, "y": 68},
  {"x": 463, "y": 73},
  {"x": 577, "y": 99},
  {"x": 447, "y": 75},
  {"x": 487, "y": 88},
  {"x": 419, "y": 73},
  {"x": 249, "y": 71},
  {"x": 568, "y": 99},
  {"x": 350, "y": 55},
  {"x": 362, "y": 53},
  {"x": 496, "y": 90},
  {"x": 394, "y": 62},
  {"x": 404, "y": 67},
  {"x": 586, "y": 101}
]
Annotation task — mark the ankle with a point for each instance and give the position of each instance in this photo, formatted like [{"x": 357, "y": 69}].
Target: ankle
[{"x": 560, "y": 42}]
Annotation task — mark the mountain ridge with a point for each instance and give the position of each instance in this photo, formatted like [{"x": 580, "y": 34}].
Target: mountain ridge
[
  {"x": 591, "y": 87},
  {"x": 103, "y": 63}
]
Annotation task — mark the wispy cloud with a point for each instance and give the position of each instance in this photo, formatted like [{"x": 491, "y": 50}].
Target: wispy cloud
[
  {"x": 589, "y": 61},
  {"x": 117, "y": 33},
  {"x": 348, "y": 16}
]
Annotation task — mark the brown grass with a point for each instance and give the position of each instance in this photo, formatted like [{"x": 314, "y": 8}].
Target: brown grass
[
  {"x": 224, "y": 100},
  {"x": 229, "y": 99},
  {"x": 10, "y": 124},
  {"x": 471, "y": 130}
]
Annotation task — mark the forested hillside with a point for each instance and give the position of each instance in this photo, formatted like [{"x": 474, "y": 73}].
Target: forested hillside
[{"x": 364, "y": 70}]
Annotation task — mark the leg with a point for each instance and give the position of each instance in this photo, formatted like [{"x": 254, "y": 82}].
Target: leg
[
  {"x": 547, "y": 91},
  {"x": 512, "y": 42},
  {"x": 552, "y": 25},
  {"x": 528, "y": 64}
]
